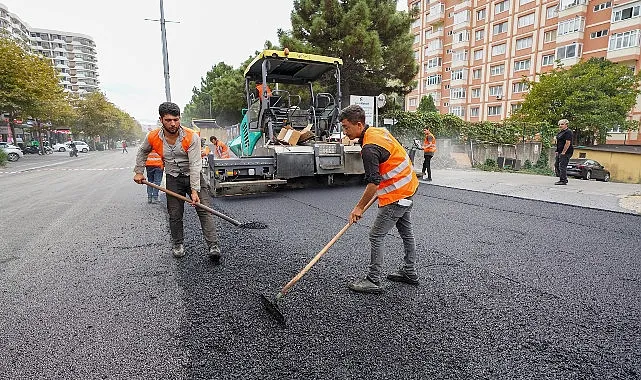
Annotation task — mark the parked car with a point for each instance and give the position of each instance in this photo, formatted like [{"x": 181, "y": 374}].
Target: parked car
[
  {"x": 13, "y": 152},
  {"x": 587, "y": 169},
  {"x": 80, "y": 145}
]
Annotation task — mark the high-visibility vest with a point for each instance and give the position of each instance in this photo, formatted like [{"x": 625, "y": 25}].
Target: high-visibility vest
[
  {"x": 154, "y": 160},
  {"x": 221, "y": 149},
  {"x": 205, "y": 151},
  {"x": 429, "y": 147},
  {"x": 399, "y": 180},
  {"x": 156, "y": 142}
]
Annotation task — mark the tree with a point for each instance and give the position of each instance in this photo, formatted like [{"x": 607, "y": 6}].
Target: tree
[
  {"x": 594, "y": 95},
  {"x": 427, "y": 104},
  {"x": 370, "y": 36}
]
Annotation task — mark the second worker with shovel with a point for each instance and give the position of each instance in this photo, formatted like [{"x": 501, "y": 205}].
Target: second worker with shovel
[
  {"x": 390, "y": 176},
  {"x": 179, "y": 148}
]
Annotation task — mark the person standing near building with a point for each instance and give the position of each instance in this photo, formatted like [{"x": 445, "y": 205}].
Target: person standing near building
[
  {"x": 179, "y": 148},
  {"x": 429, "y": 148},
  {"x": 220, "y": 149},
  {"x": 154, "y": 168},
  {"x": 564, "y": 151},
  {"x": 124, "y": 147},
  {"x": 390, "y": 176}
]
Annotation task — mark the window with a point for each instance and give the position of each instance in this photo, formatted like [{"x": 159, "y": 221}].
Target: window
[
  {"x": 445, "y": 104},
  {"x": 416, "y": 6},
  {"x": 549, "y": 36},
  {"x": 459, "y": 74},
  {"x": 494, "y": 110},
  {"x": 457, "y": 93},
  {"x": 416, "y": 54},
  {"x": 501, "y": 6},
  {"x": 600, "y": 33},
  {"x": 522, "y": 65},
  {"x": 602, "y": 6},
  {"x": 497, "y": 69},
  {"x": 462, "y": 36},
  {"x": 449, "y": 32},
  {"x": 500, "y": 28},
  {"x": 412, "y": 102},
  {"x": 479, "y": 34},
  {"x": 624, "y": 40},
  {"x": 520, "y": 87},
  {"x": 461, "y": 17},
  {"x": 548, "y": 60},
  {"x": 574, "y": 3},
  {"x": 625, "y": 13},
  {"x": 434, "y": 62},
  {"x": 417, "y": 38},
  {"x": 433, "y": 80},
  {"x": 478, "y": 54},
  {"x": 552, "y": 11},
  {"x": 416, "y": 23},
  {"x": 572, "y": 25},
  {"x": 476, "y": 73},
  {"x": 476, "y": 92},
  {"x": 474, "y": 112},
  {"x": 480, "y": 14},
  {"x": 570, "y": 51},
  {"x": 521, "y": 2},
  {"x": 496, "y": 90},
  {"x": 458, "y": 111},
  {"x": 526, "y": 20},
  {"x": 524, "y": 43},
  {"x": 498, "y": 50},
  {"x": 459, "y": 56}
]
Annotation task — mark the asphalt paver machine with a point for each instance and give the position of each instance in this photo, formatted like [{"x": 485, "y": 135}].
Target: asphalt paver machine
[{"x": 280, "y": 90}]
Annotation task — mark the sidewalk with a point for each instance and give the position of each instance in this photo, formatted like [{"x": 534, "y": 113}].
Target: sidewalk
[{"x": 620, "y": 197}]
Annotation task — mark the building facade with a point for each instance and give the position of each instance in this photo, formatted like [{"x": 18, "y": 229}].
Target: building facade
[
  {"x": 473, "y": 54},
  {"x": 72, "y": 54}
]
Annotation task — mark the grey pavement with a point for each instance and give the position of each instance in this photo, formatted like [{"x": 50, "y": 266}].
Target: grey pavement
[{"x": 612, "y": 196}]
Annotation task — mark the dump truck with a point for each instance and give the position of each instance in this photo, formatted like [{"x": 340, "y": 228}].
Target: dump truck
[{"x": 290, "y": 134}]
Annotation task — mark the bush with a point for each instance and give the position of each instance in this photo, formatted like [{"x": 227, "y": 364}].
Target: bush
[
  {"x": 542, "y": 162},
  {"x": 3, "y": 158},
  {"x": 527, "y": 164},
  {"x": 490, "y": 163}
]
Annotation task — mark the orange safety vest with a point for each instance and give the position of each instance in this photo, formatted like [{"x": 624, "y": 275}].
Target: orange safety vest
[
  {"x": 221, "y": 149},
  {"x": 156, "y": 142},
  {"x": 259, "y": 87},
  {"x": 205, "y": 151},
  {"x": 429, "y": 147},
  {"x": 399, "y": 180},
  {"x": 154, "y": 160}
]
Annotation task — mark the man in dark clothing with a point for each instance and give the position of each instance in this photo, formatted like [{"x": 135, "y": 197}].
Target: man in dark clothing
[{"x": 564, "y": 150}]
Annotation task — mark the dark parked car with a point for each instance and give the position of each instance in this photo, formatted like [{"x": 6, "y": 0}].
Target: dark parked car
[{"x": 587, "y": 169}]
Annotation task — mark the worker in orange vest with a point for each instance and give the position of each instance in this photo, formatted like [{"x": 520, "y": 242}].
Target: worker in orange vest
[
  {"x": 429, "y": 148},
  {"x": 204, "y": 148},
  {"x": 154, "y": 168},
  {"x": 390, "y": 176},
  {"x": 179, "y": 148},
  {"x": 220, "y": 149}
]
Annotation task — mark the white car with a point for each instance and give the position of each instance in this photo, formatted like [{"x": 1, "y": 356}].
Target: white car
[
  {"x": 13, "y": 152},
  {"x": 80, "y": 145}
]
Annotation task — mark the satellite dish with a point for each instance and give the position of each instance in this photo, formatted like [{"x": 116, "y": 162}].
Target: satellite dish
[{"x": 380, "y": 100}]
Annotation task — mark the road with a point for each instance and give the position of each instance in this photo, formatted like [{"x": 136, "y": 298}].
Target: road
[{"x": 511, "y": 288}]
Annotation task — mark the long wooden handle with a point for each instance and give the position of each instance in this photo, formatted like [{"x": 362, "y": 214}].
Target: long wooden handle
[
  {"x": 309, "y": 266},
  {"x": 211, "y": 210}
]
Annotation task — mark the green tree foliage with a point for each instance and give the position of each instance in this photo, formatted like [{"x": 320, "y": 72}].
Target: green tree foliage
[
  {"x": 427, "y": 104},
  {"x": 370, "y": 36},
  {"x": 99, "y": 117},
  {"x": 595, "y": 96},
  {"x": 221, "y": 91}
]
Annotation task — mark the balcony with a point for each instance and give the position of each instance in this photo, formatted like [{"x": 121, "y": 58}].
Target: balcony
[
  {"x": 462, "y": 5},
  {"x": 573, "y": 8},
  {"x": 433, "y": 70},
  {"x": 432, "y": 87},
  {"x": 454, "y": 101},
  {"x": 437, "y": 13},
  {"x": 570, "y": 37},
  {"x": 625, "y": 54}
]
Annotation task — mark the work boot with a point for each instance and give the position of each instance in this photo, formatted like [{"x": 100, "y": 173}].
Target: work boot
[
  {"x": 365, "y": 286},
  {"x": 178, "y": 250},
  {"x": 149, "y": 200},
  {"x": 560, "y": 183},
  {"x": 214, "y": 253},
  {"x": 401, "y": 276}
]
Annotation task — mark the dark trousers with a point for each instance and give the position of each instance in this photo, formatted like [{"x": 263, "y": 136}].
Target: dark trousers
[
  {"x": 561, "y": 166},
  {"x": 176, "y": 208},
  {"x": 426, "y": 165}
]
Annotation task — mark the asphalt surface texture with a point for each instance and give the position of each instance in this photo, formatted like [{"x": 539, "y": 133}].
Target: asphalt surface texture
[{"x": 510, "y": 288}]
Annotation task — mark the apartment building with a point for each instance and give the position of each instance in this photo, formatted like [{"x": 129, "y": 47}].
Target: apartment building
[
  {"x": 72, "y": 54},
  {"x": 474, "y": 54}
]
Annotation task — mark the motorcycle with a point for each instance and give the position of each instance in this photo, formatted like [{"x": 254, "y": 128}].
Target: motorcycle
[
  {"x": 31, "y": 150},
  {"x": 73, "y": 152}
]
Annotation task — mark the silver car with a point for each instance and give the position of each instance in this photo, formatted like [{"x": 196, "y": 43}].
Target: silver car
[{"x": 13, "y": 152}]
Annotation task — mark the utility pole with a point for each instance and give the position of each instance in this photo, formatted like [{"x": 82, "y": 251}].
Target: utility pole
[{"x": 165, "y": 55}]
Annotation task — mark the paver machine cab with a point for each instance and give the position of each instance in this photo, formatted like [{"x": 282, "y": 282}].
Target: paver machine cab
[{"x": 279, "y": 87}]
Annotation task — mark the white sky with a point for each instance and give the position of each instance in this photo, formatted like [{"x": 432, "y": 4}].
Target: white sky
[{"x": 129, "y": 48}]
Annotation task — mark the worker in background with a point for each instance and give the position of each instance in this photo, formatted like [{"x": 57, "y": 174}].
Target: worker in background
[
  {"x": 179, "y": 148},
  {"x": 220, "y": 149},
  {"x": 204, "y": 148},
  {"x": 154, "y": 168},
  {"x": 259, "y": 87},
  {"x": 429, "y": 148},
  {"x": 390, "y": 176}
]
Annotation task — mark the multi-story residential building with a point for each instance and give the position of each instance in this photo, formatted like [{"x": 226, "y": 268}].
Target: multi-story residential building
[
  {"x": 72, "y": 54},
  {"x": 474, "y": 54}
]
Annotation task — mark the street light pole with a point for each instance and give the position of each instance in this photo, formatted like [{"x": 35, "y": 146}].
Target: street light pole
[{"x": 165, "y": 58}]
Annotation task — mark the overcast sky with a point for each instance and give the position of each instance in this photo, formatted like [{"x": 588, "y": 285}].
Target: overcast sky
[{"x": 129, "y": 48}]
